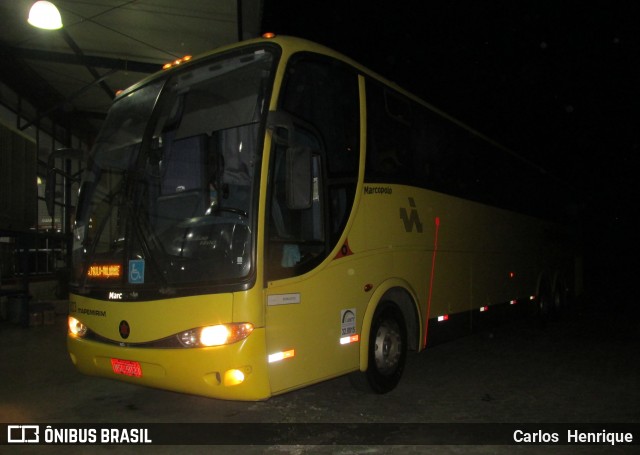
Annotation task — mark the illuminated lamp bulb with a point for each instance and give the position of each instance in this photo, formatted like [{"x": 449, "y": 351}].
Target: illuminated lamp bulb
[{"x": 45, "y": 15}]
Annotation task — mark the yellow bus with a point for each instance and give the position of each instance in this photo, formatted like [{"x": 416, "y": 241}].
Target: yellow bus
[{"x": 273, "y": 214}]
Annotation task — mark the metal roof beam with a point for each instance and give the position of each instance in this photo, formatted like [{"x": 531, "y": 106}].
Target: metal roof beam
[
  {"x": 80, "y": 56},
  {"x": 72, "y": 59}
]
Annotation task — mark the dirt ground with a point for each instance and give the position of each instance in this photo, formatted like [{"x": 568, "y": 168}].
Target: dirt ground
[{"x": 577, "y": 370}]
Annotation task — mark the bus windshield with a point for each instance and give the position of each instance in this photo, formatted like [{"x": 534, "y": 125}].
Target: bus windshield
[{"x": 168, "y": 196}]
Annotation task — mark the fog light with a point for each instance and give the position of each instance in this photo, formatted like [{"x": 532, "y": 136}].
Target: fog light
[{"x": 233, "y": 377}]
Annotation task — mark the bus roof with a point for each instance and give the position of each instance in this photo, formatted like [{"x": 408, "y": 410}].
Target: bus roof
[{"x": 290, "y": 45}]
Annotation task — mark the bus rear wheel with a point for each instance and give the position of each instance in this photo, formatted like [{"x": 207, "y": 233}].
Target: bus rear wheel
[
  {"x": 387, "y": 351},
  {"x": 560, "y": 297}
]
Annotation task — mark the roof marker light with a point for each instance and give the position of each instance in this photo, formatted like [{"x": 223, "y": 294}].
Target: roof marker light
[
  {"x": 268, "y": 35},
  {"x": 177, "y": 62}
]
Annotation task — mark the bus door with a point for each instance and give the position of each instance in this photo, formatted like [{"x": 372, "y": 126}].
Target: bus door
[
  {"x": 310, "y": 297},
  {"x": 307, "y": 304}
]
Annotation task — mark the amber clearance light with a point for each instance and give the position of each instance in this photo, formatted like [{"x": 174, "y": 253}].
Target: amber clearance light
[{"x": 177, "y": 62}]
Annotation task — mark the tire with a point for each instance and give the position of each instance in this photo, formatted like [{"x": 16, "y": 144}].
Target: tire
[
  {"x": 387, "y": 351},
  {"x": 560, "y": 298},
  {"x": 544, "y": 305}
]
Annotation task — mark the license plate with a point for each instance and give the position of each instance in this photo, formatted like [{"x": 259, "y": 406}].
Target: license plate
[{"x": 126, "y": 367}]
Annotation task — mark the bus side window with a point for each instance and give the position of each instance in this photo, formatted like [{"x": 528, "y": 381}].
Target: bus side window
[{"x": 389, "y": 136}]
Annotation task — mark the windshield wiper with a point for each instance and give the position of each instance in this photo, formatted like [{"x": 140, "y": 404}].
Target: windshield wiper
[{"x": 144, "y": 236}]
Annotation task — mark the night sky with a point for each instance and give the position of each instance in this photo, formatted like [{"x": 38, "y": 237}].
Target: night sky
[{"x": 556, "y": 81}]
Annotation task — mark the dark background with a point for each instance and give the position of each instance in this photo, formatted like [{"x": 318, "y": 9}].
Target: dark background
[{"x": 556, "y": 81}]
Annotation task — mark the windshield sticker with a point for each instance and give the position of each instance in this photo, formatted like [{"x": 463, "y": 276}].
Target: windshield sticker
[{"x": 136, "y": 271}]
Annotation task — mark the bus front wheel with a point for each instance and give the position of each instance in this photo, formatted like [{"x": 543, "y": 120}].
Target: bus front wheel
[{"x": 387, "y": 351}]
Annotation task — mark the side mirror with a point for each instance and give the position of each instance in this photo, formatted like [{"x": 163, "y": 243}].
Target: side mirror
[
  {"x": 298, "y": 178},
  {"x": 52, "y": 172},
  {"x": 281, "y": 125},
  {"x": 293, "y": 133}
]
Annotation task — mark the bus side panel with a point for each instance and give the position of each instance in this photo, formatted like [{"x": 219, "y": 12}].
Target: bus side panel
[
  {"x": 461, "y": 257},
  {"x": 307, "y": 317}
]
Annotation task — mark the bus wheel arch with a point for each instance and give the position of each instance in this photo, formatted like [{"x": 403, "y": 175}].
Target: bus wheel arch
[{"x": 390, "y": 329}]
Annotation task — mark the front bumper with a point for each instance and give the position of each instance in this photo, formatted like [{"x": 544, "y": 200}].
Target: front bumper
[{"x": 211, "y": 371}]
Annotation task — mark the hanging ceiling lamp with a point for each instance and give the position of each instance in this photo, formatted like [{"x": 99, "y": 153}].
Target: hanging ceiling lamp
[{"x": 45, "y": 15}]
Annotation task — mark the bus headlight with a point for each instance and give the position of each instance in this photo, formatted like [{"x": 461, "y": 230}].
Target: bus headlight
[
  {"x": 77, "y": 328},
  {"x": 188, "y": 339},
  {"x": 215, "y": 335}
]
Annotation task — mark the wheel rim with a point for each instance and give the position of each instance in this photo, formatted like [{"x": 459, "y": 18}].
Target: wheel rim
[{"x": 388, "y": 347}]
